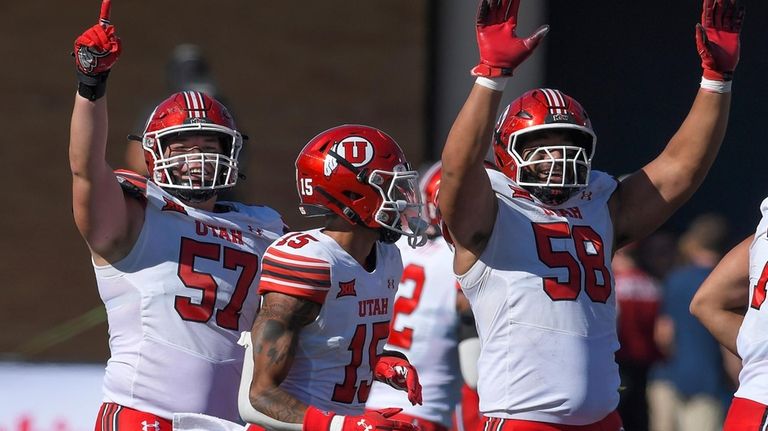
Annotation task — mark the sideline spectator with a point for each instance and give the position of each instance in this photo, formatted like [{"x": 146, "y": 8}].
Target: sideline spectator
[
  {"x": 686, "y": 391},
  {"x": 637, "y": 302}
]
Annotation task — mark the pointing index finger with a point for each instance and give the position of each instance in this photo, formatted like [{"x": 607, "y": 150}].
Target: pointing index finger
[{"x": 106, "y": 5}]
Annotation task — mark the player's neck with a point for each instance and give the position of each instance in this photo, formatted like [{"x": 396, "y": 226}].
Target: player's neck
[
  {"x": 358, "y": 241},
  {"x": 209, "y": 205}
]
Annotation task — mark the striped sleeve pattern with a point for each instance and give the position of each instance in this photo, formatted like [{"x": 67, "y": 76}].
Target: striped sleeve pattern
[{"x": 295, "y": 275}]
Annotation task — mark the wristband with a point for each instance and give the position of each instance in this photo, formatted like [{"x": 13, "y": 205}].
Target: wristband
[
  {"x": 316, "y": 420},
  {"x": 92, "y": 87},
  {"x": 495, "y": 84},
  {"x": 713, "y": 86}
]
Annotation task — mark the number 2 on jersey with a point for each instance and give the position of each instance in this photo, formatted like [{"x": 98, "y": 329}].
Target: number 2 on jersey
[
  {"x": 758, "y": 295},
  {"x": 591, "y": 256},
  {"x": 232, "y": 259},
  {"x": 412, "y": 275}
]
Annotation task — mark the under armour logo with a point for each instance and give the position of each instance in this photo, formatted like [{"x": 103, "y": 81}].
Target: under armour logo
[
  {"x": 391, "y": 283},
  {"x": 587, "y": 196},
  {"x": 145, "y": 426},
  {"x": 364, "y": 425}
]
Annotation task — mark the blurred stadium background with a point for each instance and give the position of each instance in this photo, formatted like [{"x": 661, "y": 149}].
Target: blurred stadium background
[{"x": 289, "y": 70}]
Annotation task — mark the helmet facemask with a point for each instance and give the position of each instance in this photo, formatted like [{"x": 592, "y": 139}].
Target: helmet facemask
[
  {"x": 553, "y": 173},
  {"x": 212, "y": 171},
  {"x": 401, "y": 206}
]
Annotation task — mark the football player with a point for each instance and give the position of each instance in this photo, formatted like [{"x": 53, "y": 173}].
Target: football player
[
  {"x": 730, "y": 305},
  {"x": 174, "y": 266},
  {"x": 534, "y": 240},
  {"x": 430, "y": 314},
  {"x": 328, "y": 293}
]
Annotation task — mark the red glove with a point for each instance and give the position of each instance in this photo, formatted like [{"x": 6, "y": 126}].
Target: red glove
[
  {"x": 501, "y": 51},
  {"x": 97, "y": 49},
  {"x": 717, "y": 38},
  {"x": 400, "y": 374},
  {"x": 318, "y": 420}
]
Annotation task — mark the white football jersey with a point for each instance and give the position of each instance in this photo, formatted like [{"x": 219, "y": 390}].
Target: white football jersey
[
  {"x": 424, "y": 328},
  {"x": 333, "y": 364},
  {"x": 752, "y": 341},
  {"x": 542, "y": 296},
  {"x": 177, "y": 303}
]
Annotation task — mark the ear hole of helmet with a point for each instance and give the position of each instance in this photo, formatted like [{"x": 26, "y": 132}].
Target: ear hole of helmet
[{"x": 352, "y": 195}]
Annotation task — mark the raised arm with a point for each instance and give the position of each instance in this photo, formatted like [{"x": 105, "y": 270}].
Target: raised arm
[
  {"x": 721, "y": 301},
  {"x": 100, "y": 210},
  {"x": 467, "y": 201},
  {"x": 647, "y": 198}
]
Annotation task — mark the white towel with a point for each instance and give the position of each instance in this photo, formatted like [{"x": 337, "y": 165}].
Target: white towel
[{"x": 201, "y": 422}]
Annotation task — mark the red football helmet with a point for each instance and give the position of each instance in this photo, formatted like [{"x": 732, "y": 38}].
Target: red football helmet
[
  {"x": 192, "y": 113},
  {"x": 430, "y": 186},
  {"x": 361, "y": 174},
  {"x": 552, "y": 173}
]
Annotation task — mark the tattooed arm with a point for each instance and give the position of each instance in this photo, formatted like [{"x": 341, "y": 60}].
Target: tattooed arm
[{"x": 275, "y": 334}]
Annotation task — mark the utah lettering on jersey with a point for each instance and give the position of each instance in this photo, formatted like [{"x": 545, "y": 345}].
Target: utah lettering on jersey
[
  {"x": 234, "y": 236},
  {"x": 373, "y": 307}
]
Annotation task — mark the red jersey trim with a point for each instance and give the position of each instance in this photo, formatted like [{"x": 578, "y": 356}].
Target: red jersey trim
[
  {"x": 313, "y": 295},
  {"x": 135, "y": 179},
  {"x": 296, "y": 257},
  {"x": 294, "y": 264},
  {"x": 317, "y": 278}
]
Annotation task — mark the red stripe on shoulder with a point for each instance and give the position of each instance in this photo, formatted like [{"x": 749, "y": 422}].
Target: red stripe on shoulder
[
  {"x": 295, "y": 281},
  {"x": 135, "y": 179},
  {"x": 298, "y": 258},
  {"x": 321, "y": 266},
  {"x": 317, "y": 296},
  {"x": 309, "y": 273}
]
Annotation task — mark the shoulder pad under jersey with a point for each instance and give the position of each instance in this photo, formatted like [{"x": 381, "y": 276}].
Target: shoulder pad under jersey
[
  {"x": 132, "y": 183},
  {"x": 266, "y": 217}
]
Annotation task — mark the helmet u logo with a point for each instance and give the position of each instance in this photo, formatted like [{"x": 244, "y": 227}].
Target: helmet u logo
[{"x": 354, "y": 151}]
